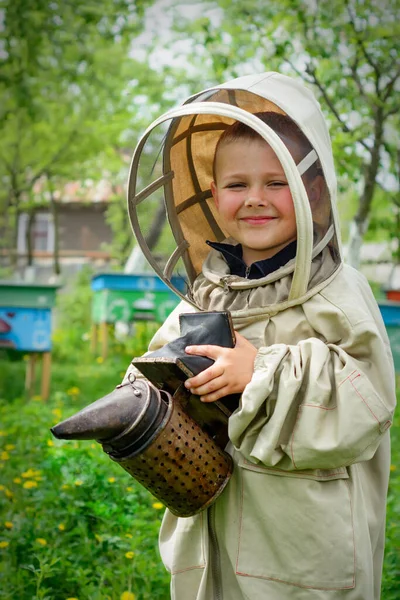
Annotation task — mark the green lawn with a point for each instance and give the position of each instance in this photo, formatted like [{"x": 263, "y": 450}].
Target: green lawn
[{"x": 73, "y": 524}]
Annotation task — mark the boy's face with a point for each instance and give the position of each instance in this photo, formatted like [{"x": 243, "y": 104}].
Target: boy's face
[{"x": 253, "y": 198}]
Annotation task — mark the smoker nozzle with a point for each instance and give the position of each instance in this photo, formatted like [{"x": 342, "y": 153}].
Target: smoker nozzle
[{"x": 102, "y": 420}]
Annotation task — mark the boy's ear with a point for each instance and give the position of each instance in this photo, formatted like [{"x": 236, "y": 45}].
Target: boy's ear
[
  {"x": 315, "y": 189},
  {"x": 214, "y": 192}
]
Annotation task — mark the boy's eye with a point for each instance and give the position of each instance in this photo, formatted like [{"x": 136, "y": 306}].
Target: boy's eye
[
  {"x": 277, "y": 184},
  {"x": 231, "y": 186}
]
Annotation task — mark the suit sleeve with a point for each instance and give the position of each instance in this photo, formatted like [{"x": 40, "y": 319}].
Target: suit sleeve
[{"x": 316, "y": 405}]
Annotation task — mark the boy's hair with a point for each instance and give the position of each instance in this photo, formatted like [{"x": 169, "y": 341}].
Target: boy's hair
[{"x": 289, "y": 132}]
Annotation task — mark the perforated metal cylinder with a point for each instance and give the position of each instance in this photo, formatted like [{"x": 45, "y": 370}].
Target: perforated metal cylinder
[{"x": 182, "y": 466}]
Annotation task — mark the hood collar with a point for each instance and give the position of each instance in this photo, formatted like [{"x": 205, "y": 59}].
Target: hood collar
[{"x": 233, "y": 254}]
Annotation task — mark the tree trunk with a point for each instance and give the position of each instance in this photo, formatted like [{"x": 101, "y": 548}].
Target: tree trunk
[
  {"x": 357, "y": 232},
  {"x": 360, "y": 222},
  {"x": 28, "y": 238},
  {"x": 136, "y": 262},
  {"x": 12, "y": 227},
  {"x": 54, "y": 214}
]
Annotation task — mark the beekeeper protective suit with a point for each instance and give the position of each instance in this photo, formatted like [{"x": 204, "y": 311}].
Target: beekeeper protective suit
[{"x": 303, "y": 516}]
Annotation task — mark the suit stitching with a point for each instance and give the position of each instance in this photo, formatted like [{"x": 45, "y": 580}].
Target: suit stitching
[
  {"x": 320, "y": 407},
  {"x": 300, "y": 585},
  {"x": 286, "y": 582},
  {"x": 348, "y": 377},
  {"x": 187, "y": 569},
  {"x": 355, "y": 377},
  {"x": 203, "y": 560},
  {"x": 302, "y": 472},
  {"x": 365, "y": 402}
]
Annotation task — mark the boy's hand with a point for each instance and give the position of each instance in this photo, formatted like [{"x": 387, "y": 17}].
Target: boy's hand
[{"x": 231, "y": 372}]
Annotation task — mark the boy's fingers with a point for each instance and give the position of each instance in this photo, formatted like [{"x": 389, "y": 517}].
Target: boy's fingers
[
  {"x": 204, "y": 377},
  {"x": 205, "y": 350},
  {"x": 209, "y": 386},
  {"x": 212, "y": 397}
]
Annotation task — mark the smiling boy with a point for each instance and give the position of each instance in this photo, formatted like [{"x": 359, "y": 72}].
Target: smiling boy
[
  {"x": 303, "y": 514},
  {"x": 255, "y": 204}
]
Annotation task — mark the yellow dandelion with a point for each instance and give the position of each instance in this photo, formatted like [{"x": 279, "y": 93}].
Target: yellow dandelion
[
  {"x": 99, "y": 360},
  {"x": 50, "y": 443},
  {"x": 2, "y": 488},
  {"x": 78, "y": 482},
  {"x": 129, "y": 535},
  {"x": 9, "y": 494},
  {"x": 8, "y": 525},
  {"x": 65, "y": 486},
  {"x": 57, "y": 412},
  {"x": 98, "y": 537},
  {"x": 72, "y": 598},
  {"x": 4, "y": 455},
  {"x": 129, "y": 489},
  {"x": 127, "y": 596},
  {"x": 111, "y": 480},
  {"x": 41, "y": 541},
  {"x": 30, "y": 484},
  {"x": 158, "y": 505},
  {"x": 4, "y": 544},
  {"x": 93, "y": 446},
  {"x": 61, "y": 527},
  {"x": 17, "y": 480},
  {"x": 392, "y": 467},
  {"x": 3, "y": 433},
  {"x": 10, "y": 446},
  {"x": 28, "y": 474},
  {"x": 73, "y": 391},
  {"x": 129, "y": 554}
]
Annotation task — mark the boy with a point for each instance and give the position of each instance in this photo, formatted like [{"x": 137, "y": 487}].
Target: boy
[{"x": 303, "y": 515}]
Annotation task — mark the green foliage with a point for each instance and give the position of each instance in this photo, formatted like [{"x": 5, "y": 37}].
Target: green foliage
[
  {"x": 73, "y": 523},
  {"x": 67, "y": 89},
  {"x": 72, "y": 318},
  {"x": 71, "y": 518},
  {"x": 391, "y": 573},
  {"x": 123, "y": 240},
  {"x": 72, "y": 333},
  {"x": 347, "y": 51}
]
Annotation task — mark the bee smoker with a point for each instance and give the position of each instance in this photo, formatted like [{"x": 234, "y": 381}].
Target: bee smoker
[{"x": 162, "y": 435}]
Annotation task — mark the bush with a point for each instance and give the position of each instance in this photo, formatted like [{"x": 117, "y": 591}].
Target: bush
[{"x": 74, "y": 524}]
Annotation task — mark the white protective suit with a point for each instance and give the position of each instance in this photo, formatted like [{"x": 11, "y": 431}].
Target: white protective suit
[{"x": 303, "y": 516}]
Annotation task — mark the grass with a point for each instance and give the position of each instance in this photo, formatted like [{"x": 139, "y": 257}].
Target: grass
[{"x": 73, "y": 524}]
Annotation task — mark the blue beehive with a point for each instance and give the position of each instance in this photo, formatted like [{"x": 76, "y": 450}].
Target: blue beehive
[{"x": 390, "y": 311}]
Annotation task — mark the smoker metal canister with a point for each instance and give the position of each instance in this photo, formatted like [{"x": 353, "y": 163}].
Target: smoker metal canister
[{"x": 180, "y": 465}]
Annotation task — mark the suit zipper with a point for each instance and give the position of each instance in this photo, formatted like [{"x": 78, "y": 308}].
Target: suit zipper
[
  {"x": 247, "y": 272},
  {"x": 214, "y": 555}
]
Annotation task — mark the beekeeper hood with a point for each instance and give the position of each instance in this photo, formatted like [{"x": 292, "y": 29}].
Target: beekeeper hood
[{"x": 172, "y": 169}]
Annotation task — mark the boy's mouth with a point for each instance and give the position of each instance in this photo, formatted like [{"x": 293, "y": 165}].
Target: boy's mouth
[{"x": 257, "y": 220}]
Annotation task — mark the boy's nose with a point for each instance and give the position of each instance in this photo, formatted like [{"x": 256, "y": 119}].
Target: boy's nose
[{"x": 255, "y": 198}]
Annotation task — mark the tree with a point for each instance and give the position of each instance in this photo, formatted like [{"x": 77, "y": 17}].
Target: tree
[
  {"x": 67, "y": 82},
  {"x": 346, "y": 50}
]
